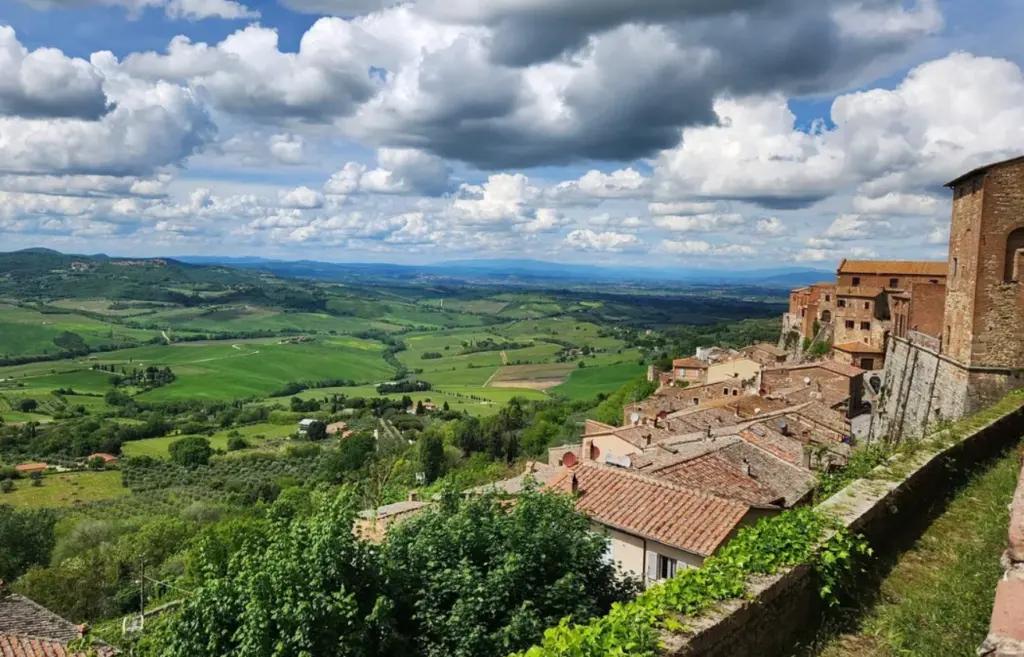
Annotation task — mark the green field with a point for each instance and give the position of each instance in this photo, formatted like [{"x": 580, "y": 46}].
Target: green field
[
  {"x": 66, "y": 490},
  {"x": 27, "y": 332},
  {"x": 589, "y": 382},
  {"x": 237, "y": 370},
  {"x": 157, "y": 447}
]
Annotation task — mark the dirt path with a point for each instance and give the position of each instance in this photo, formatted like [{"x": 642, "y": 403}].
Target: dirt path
[
  {"x": 504, "y": 358},
  {"x": 166, "y": 337},
  {"x": 491, "y": 378},
  {"x": 207, "y": 360}
]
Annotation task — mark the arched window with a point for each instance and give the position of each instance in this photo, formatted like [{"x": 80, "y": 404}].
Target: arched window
[
  {"x": 826, "y": 316},
  {"x": 1014, "y": 268}
]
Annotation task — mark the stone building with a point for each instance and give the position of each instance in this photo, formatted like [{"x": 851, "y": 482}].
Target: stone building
[{"x": 979, "y": 353}]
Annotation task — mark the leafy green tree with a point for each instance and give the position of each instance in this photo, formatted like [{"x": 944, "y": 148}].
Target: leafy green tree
[
  {"x": 27, "y": 405},
  {"x": 469, "y": 436},
  {"x": 316, "y": 431},
  {"x": 96, "y": 463},
  {"x": 6, "y": 486},
  {"x": 481, "y": 578},
  {"x": 352, "y": 454},
  {"x": 236, "y": 443},
  {"x": 312, "y": 588},
  {"x": 431, "y": 457},
  {"x": 191, "y": 451},
  {"x": 26, "y": 539},
  {"x": 610, "y": 410}
]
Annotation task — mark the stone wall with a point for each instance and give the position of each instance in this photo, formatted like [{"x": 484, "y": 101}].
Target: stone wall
[
  {"x": 785, "y": 608},
  {"x": 921, "y": 387}
]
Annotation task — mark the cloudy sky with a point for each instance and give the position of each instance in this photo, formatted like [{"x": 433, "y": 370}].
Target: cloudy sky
[{"x": 689, "y": 133}]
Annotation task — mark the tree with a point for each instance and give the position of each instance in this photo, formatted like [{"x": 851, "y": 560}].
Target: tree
[
  {"x": 96, "y": 463},
  {"x": 316, "y": 431},
  {"x": 310, "y": 588},
  {"x": 479, "y": 577},
  {"x": 191, "y": 451},
  {"x": 445, "y": 407},
  {"x": 469, "y": 436},
  {"x": 6, "y": 486},
  {"x": 26, "y": 539},
  {"x": 37, "y": 479},
  {"x": 431, "y": 457},
  {"x": 419, "y": 408},
  {"x": 351, "y": 455},
  {"x": 236, "y": 442},
  {"x": 27, "y": 405}
]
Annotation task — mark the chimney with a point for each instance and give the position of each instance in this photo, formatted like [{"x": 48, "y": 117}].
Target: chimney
[
  {"x": 655, "y": 421},
  {"x": 575, "y": 484},
  {"x": 414, "y": 496},
  {"x": 647, "y": 440},
  {"x": 807, "y": 458},
  {"x": 746, "y": 468}
]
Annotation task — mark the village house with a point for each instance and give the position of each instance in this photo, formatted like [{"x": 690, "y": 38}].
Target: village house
[
  {"x": 372, "y": 524},
  {"x": 655, "y": 527},
  {"x": 767, "y": 355}
]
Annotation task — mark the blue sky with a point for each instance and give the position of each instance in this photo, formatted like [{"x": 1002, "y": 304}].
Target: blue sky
[{"x": 795, "y": 133}]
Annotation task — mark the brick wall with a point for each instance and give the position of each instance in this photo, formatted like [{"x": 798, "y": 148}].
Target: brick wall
[
  {"x": 785, "y": 608},
  {"x": 927, "y": 307},
  {"x": 1006, "y": 630},
  {"x": 964, "y": 240}
]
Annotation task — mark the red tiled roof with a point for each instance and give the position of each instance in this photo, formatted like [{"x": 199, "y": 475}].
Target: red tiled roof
[
  {"x": 859, "y": 292},
  {"x": 718, "y": 476},
  {"x": 769, "y": 349},
  {"x": 653, "y": 508},
  {"x": 31, "y": 467},
  {"x": 16, "y": 645},
  {"x": 690, "y": 362},
  {"x": 896, "y": 267},
  {"x": 841, "y": 368},
  {"x": 106, "y": 457}
]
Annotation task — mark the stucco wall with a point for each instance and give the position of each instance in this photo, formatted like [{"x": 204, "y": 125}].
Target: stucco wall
[{"x": 741, "y": 369}]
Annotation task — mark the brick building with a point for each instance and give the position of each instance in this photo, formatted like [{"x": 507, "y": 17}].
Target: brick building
[{"x": 979, "y": 354}]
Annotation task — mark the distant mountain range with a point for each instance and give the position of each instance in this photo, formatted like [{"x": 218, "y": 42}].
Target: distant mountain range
[{"x": 521, "y": 271}]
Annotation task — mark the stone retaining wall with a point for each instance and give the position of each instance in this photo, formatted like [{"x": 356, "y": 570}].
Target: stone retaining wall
[
  {"x": 784, "y": 608},
  {"x": 1006, "y": 632}
]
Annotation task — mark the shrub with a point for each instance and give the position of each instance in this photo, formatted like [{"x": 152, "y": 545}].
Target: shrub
[
  {"x": 191, "y": 451},
  {"x": 6, "y": 486},
  {"x": 236, "y": 443}
]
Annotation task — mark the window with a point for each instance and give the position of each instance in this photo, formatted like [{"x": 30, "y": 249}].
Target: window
[
  {"x": 803, "y": 312},
  {"x": 956, "y": 266},
  {"x": 696, "y": 401},
  {"x": 1013, "y": 271},
  {"x": 850, "y": 324},
  {"x": 894, "y": 282},
  {"x": 856, "y": 281},
  {"x": 659, "y": 567},
  {"x": 828, "y": 297},
  {"x": 867, "y": 305},
  {"x": 867, "y": 364},
  {"x": 725, "y": 391},
  {"x": 842, "y": 303},
  {"x": 735, "y": 393},
  {"x": 865, "y": 326}
]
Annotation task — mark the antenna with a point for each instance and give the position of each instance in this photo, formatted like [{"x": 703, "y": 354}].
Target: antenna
[{"x": 635, "y": 417}]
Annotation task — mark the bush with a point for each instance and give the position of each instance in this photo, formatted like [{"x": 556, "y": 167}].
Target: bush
[
  {"x": 27, "y": 405},
  {"x": 236, "y": 443},
  {"x": 191, "y": 451},
  {"x": 96, "y": 463},
  {"x": 6, "y": 486}
]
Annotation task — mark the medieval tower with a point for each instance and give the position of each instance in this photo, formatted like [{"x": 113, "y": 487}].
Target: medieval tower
[{"x": 980, "y": 353}]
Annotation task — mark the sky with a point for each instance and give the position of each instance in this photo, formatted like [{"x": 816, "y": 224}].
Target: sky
[{"x": 725, "y": 134}]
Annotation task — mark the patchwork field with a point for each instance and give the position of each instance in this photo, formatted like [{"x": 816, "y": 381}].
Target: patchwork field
[
  {"x": 255, "y": 435},
  {"x": 534, "y": 377},
  {"x": 589, "y": 382},
  {"x": 66, "y": 490}
]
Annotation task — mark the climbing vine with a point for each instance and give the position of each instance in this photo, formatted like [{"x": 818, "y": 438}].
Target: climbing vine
[{"x": 633, "y": 628}]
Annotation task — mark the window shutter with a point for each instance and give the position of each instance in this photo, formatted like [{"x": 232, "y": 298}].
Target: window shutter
[{"x": 652, "y": 566}]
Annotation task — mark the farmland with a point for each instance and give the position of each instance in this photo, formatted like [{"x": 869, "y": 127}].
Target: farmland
[{"x": 60, "y": 490}]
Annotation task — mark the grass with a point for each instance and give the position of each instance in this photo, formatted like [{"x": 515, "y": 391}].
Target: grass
[
  {"x": 157, "y": 447},
  {"x": 227, "y": 371},
  {"x": 589, "y": 382},
  {"x": 62, "y": 490},
  {"x": 27, "y": 332},
  {"x": 937, "y": 599}
]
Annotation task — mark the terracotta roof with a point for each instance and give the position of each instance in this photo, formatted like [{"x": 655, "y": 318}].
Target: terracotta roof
[
  {"x": 541, "y": 473},
  {"x": 841, "y": 368},
  {"x": 895, "y": 267},
  {"x": 986, "y": 167},
  {"x": 770, "y": 348},
  {"x": 336, "y": 427},
  {"x": 653, "y": 508},
  {"x": 716, "y": 475},
  {"x": 690, "y": 362},
  {"x": 21, "y": 616},
  {"x": 106, "y": 457},
  {"x": 15, "y": 645},
  {"x": 823, "y": 285},
  {"x": 857, "y": 348},
  {"x": 31, "y": 467}
]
